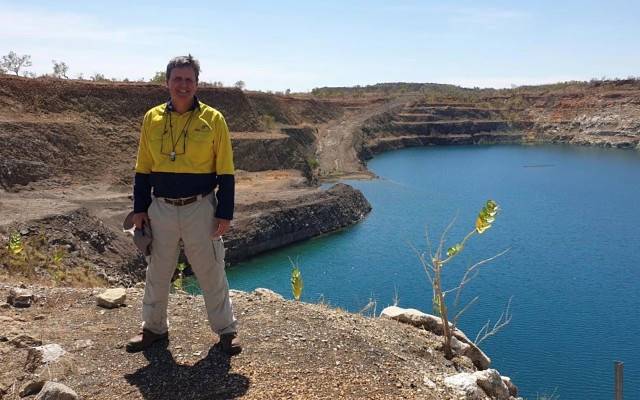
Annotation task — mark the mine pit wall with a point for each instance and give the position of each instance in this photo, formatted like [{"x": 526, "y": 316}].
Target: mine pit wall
[
  {"x": 604, "y": 114},
  {"x": 53, "y": 127},
  {"x": 114, "y": 103},
  {"x": 296, "y": 150},
  {"x": 495, "y": 137},
  {"x": 292, "y": 110},
  {"x": 419, "y": 124},
  {"x": 283, "y": 223}
]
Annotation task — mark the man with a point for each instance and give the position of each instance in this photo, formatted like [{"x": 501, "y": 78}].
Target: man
[{"x": 183, "y": 155}]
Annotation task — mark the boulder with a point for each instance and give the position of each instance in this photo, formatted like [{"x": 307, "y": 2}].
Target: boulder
[
  {"x": 414, "y": 317},
  {"x": 31, "y": 388},
  {"x": 460, "y": 343},
  {"x": 491, "y": 382},
  {"x": 480, "y": 360},
  {"x": 56, "y": 391},
  {"x": 459, "y": 347},
  {"x": 19, "y": 297},
  {"x": 465, "y": 383},
  {"x": 513, "y": 389},
  {"x": 48, "y": 352},
  {"x": 112, "y": 298}
]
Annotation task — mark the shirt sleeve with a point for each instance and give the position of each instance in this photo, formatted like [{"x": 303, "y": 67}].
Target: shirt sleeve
[
  {"x": 222, "y": 148},
  {"x": 142, "y": 185},
  {"x": 224, "y": 170},
  {"x": 141, "y": 192},
  {"x": 144, "y": 161}
]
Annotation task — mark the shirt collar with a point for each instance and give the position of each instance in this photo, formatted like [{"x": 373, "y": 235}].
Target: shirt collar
[{"x": 194, "y": 106}]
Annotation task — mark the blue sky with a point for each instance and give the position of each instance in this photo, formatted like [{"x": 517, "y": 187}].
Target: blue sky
[{"x": 275, "y": 45}]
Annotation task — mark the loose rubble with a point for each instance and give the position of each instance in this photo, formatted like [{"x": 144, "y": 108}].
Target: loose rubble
[{"x": 293, "y": 350}]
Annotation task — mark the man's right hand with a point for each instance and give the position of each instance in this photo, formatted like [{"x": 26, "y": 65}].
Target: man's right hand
[{"x": 139, "y": 219}]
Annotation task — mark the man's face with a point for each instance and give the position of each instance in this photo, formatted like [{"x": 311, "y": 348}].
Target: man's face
[{"x": 182, "y": 84}]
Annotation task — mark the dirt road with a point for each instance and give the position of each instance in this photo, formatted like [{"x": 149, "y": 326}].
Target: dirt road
[{"x": 338, "y": 141}]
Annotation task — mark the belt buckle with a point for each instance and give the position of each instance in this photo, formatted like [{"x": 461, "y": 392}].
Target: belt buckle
[{"x": 182, "y": 201}]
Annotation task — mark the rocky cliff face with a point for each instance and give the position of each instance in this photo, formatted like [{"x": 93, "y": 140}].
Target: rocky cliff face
[
  {"x": 110, "y": 103},
  {"x": 292, "y": 110},
  {"x": 78, "y": 130},
  {"x": 605, "y": 115},
  {"x": 602, "y": 114},
  {"x": 278, "y": 223},
  {"x": 292, "y": 148},
  {"x": 424, "y": 124}
]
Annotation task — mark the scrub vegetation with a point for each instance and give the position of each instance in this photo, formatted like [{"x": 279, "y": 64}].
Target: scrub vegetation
[
  {"x": 13, "y": 62},
  {"x": 297, "y": 284},
  {"x": 34, "y": 258}
]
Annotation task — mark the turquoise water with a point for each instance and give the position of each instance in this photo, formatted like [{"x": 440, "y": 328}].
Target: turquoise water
[{"x": 570, "y": 217}]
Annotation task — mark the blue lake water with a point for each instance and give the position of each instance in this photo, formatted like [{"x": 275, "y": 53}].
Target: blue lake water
[{"x": 571, "y": 219}]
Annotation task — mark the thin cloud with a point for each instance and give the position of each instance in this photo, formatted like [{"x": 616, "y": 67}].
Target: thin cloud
[
  {"x": 485, "y": 17},
  {"x": 40, "y": 24}
]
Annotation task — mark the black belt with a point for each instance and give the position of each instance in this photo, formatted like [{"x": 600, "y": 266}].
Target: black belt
[{"x": 184, "y": 201}]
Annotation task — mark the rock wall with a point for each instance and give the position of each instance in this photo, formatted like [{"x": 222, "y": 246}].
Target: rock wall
[
  {"x": 425, "y": 124},
  {"x": 280, "y": 223},
  {"x": 69, "y": 130},
  {"x": 112, "y": 103},
  {"x": 604, "y": 119},
  {"x": 603, "y": 114},
  {"x": 293, "y": 149},
  {"x": 291, "y": 110}
]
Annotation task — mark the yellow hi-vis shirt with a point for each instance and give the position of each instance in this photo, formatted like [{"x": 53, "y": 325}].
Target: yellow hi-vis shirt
[{"x": 201, "y": 143}]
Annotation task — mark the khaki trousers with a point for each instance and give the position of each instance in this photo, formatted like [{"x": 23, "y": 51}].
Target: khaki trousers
[{"x": 193, "y": 223}]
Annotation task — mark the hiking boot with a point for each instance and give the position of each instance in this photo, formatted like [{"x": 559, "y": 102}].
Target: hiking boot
[
  {"x": 230, "y": 344},
  {"x": 144, "y": 340}
]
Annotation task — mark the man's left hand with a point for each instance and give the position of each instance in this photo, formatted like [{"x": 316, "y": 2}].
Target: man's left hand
[{"x": 221, "y": 227}]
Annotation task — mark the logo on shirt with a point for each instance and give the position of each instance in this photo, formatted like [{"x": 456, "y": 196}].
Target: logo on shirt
[{"x": 203, "y": 128}]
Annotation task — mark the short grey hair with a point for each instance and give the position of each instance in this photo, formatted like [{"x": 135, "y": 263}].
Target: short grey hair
[{"x": 183, "y": 61}]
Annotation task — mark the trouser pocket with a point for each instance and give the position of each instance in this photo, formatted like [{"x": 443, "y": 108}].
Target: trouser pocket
[{"x": 218, "y": 250}]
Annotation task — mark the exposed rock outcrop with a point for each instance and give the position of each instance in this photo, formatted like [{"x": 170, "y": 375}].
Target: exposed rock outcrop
[
  {"x": 279, "y": 223},
  {"x": 425, "y": 124},
  {"x": 293, "y": 148},
  {"x": 480, "y": 385},
  {"x": 461, "y": 344}
]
